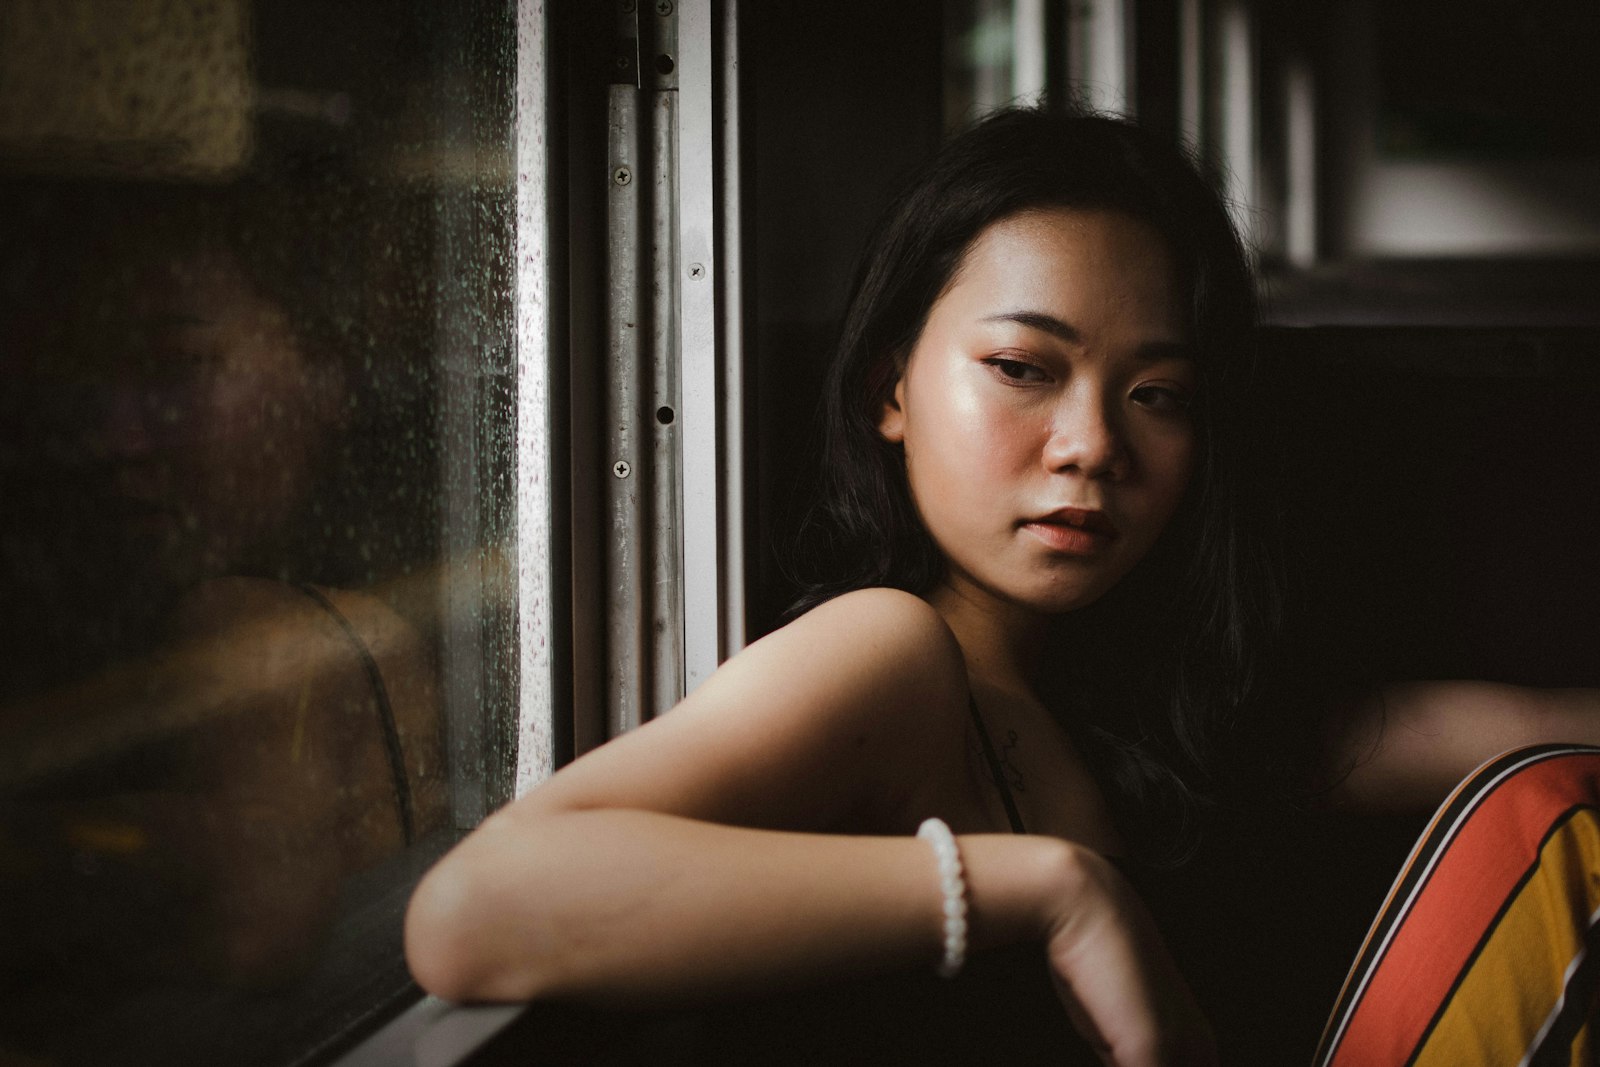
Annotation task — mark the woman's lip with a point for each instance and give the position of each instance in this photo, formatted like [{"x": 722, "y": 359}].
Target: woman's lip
[
  {"x": 1069, "y": 540},
  {"x": 1091, "y": 519}
]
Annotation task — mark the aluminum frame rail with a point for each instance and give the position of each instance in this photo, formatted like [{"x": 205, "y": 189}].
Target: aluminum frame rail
[{"x": 674, "y": 558}]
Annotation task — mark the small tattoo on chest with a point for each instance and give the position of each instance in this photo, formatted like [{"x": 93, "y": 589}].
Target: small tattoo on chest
[{"x": 998, "y": 765}]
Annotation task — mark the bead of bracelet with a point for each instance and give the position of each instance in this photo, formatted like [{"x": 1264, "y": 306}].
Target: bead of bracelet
[{"x": 953, "y": 887}]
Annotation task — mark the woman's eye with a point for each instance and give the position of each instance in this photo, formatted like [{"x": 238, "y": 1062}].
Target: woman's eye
[
  {"x": 1163, "y": 399},
  {"x": 1016, "y": 370}
]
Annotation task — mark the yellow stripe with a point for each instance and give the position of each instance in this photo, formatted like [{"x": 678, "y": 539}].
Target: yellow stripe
[{"x": 1517, "y": 978}]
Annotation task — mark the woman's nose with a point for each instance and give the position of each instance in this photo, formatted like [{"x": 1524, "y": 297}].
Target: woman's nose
[{"x": 1085, "y": 438}]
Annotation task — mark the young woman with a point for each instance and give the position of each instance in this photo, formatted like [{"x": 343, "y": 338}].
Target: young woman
[{"x": 1037, "y": 611}]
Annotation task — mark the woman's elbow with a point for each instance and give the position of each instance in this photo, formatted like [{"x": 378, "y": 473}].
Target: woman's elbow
[
  {"x": 456, "y": 944},
  {"x": 439, "y": 936}
]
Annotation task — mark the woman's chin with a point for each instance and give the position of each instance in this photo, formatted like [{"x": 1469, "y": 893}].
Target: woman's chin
[{"x": 1065, "y": 600}]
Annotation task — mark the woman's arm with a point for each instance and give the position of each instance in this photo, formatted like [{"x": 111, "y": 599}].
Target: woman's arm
[
  {"x": 691, "y": 910},
  {"x": 1405, "y": 747},
  {"x": 683, "y": 860},
  {"x": 626, "y": 906}
]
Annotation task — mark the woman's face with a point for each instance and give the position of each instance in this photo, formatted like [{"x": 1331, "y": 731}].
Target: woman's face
[
  {"x": 171, "y": 424},
  {"x": 1044, "y": 409}
]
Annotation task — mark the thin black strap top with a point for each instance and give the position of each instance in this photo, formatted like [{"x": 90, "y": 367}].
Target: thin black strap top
[
  {"x": 1012, "y": 814},
  {"x": 386, "y": 723},
  {"x": 995, "y": 770}
]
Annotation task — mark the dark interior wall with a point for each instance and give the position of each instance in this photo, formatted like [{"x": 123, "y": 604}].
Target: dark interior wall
[
  {"x": 843, "y": 101},
  {"x": 847, "y": 99},
  {"x": 1438, "y": 498}
]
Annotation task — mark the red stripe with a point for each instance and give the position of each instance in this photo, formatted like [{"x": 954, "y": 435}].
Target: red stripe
[{"x": 1478, "y": 870}]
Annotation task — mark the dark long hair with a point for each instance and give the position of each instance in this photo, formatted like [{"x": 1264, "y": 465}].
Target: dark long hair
[{"x": 1160, "y": 676}]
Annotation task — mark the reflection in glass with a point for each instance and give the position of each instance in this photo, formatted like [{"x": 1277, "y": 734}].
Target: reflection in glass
[{"x": 226, "y": 380}]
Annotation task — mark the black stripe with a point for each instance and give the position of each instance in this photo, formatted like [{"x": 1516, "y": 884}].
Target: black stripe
[
  {"x": 386, "y": 723},
  {"x": 1577, "y": 1005}
]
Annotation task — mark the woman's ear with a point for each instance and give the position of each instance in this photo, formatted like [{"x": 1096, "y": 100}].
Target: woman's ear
[{"x": 892, "y": 419}]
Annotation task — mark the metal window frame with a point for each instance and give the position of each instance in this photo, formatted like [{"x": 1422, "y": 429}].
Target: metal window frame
[
  {"x": 704, "y": 507},
  {"x": 688, "y": 595},
  {"x": 674, "y": 419},
  {"x": 543, "y": 599}
]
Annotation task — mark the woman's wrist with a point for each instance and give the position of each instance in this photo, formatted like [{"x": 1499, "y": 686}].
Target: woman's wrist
[{"x": 1015, "y": 886}]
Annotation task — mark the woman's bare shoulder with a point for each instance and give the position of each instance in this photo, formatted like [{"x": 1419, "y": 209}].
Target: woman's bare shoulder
[
  {"x": 876, "y": 636},
  {"x": 807, "y": 724},
  {"x": 890, "y": 611}
]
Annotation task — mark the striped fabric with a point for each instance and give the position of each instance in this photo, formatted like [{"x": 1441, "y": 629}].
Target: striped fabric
[{"x": 1483, "y": 953}]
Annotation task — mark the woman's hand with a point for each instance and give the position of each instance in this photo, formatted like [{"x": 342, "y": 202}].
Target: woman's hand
[{"x": 1120, "y": 987}]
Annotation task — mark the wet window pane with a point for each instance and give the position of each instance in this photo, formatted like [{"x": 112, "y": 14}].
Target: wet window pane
[{"x": 254, "y": 470}]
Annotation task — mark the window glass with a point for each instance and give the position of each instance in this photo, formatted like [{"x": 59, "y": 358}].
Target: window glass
[{"x": 254, "y": 430}]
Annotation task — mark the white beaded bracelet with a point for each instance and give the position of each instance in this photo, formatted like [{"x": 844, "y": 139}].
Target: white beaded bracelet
[{"x": 954, "y": 888}]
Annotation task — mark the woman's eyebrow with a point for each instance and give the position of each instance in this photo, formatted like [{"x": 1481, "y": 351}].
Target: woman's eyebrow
[
  {"x": 1150, "y": 352},
  {"x": 1038, "y": 320}
]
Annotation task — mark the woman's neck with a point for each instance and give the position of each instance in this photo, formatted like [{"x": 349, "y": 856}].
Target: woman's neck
[{"x": 1002, "y": 643}]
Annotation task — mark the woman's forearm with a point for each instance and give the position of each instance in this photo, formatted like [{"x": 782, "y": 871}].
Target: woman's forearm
[
  {"x": 634, "y": 906},
  {"x": 1404, "y": 748}
]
